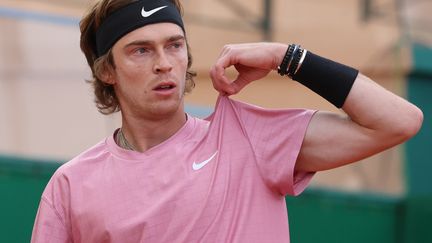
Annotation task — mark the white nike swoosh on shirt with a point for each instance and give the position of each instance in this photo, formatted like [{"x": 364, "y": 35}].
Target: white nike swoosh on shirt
[
  {"x": 197, "y": 166},
  {"x": 146, "y": 14}
]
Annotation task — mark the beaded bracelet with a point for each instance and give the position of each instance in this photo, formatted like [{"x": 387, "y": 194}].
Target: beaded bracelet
[{"x": 283, "y": 67}]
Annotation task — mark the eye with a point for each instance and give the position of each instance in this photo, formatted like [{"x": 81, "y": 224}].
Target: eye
[
  {"x": 176, "y": 45},
  {"x": 141, "y": 50}
]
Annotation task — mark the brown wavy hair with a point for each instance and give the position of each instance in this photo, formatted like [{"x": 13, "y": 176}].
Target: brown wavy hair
[{"x": 105, "y": 96}]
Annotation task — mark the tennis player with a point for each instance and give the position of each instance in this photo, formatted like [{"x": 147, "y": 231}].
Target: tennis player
[{"x": 166, "y": 176}]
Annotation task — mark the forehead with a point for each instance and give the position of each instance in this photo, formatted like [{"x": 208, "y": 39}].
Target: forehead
[{"x": 153, "y": 33}]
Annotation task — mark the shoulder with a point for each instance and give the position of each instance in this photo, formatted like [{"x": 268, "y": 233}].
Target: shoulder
[{"x": 83, "y": 163}]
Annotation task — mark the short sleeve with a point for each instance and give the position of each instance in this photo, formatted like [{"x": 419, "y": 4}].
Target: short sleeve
[
  {"x": 276, "y": 136},
  {"x": 50, "y": 224}
]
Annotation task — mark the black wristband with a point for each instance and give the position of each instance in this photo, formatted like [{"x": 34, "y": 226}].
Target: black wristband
[{"x": 329, "y": 79}]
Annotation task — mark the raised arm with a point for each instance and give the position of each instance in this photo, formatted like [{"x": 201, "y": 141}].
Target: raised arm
[{"x": 375, "y": 119}]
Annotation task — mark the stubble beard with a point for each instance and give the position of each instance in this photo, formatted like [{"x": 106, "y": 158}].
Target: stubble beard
[{"x": 166, "y": 108}]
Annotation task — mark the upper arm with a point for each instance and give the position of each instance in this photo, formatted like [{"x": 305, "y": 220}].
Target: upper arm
[{"x": 333, "y": 140}]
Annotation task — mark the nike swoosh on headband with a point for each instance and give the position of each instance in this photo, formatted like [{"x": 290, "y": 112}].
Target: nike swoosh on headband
[{"x": 146, "y": 14}]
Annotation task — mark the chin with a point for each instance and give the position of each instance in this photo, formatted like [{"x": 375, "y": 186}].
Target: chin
[{"x": 166, "y": 108}]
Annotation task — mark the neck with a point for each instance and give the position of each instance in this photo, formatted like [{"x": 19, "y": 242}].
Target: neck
[{"x": 143, "y": 134}]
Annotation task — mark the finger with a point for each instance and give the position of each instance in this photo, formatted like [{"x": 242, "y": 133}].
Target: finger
[
  {"x": 220, "y": 82},
  {"x": 239, "y": 84},
  {"x": 221, "y": 65}
]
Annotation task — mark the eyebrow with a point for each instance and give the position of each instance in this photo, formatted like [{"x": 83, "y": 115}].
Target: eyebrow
[{"x": 150, "y": 42}]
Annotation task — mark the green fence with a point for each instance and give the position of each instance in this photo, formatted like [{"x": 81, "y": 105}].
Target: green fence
[
  {"x": 326, "y": 216},
  {"x": 21, "y": 184},
  {"x": 418, "y": 163},
  {"x": 315, "y": 216}
]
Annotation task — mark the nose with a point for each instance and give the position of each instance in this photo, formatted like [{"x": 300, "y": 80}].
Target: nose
[{"x": 162, "y": 63}]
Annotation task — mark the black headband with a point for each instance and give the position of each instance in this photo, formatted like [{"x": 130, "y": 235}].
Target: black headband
[{"x": 132, "y": 17}]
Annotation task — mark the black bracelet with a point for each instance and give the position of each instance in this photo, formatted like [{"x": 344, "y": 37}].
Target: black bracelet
[
  {"x": 296, "y": 62},
  {"x": 292, "y": 57},
  {"x": 283, "y": 67},
  {"x": 331, "y": 80}
]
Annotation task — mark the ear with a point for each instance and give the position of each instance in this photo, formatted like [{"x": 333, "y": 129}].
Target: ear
[{"x": 108, "y": 76}]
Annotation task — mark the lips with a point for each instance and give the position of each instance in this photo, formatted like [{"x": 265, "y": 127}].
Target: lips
[{"x": 165, "y": 86}]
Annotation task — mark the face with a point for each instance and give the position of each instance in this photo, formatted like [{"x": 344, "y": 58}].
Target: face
[{"x": 149, "y": 77}]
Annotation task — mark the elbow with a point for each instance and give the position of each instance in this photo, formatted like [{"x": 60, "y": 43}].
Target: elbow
[
  {"x": 411, "y": 125},
  {"x": 415, "y": 123}
]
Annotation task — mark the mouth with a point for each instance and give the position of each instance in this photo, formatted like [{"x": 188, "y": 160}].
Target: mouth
[{"x": 165, "y": 86}]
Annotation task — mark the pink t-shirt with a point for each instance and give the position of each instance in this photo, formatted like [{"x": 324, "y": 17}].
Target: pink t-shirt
[{"x": 222, "y": 179}]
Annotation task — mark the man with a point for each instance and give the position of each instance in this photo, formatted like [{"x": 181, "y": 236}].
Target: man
[{"x": 165, "y": 176}]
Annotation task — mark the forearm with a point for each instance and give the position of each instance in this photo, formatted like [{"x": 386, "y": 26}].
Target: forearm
[
  {"x": 376, "y": 119},
  {"x": 367, "y": 104},
  {"x": 382, "y": 112}
]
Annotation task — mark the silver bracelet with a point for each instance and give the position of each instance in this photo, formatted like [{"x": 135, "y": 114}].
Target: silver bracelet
[{"x": 301, "y": 61}]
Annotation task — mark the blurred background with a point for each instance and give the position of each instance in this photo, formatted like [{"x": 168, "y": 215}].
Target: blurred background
[{"x": 47, "y": 114}]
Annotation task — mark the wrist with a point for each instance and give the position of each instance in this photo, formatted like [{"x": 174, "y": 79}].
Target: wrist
[{"x": 331, "y": 80}]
